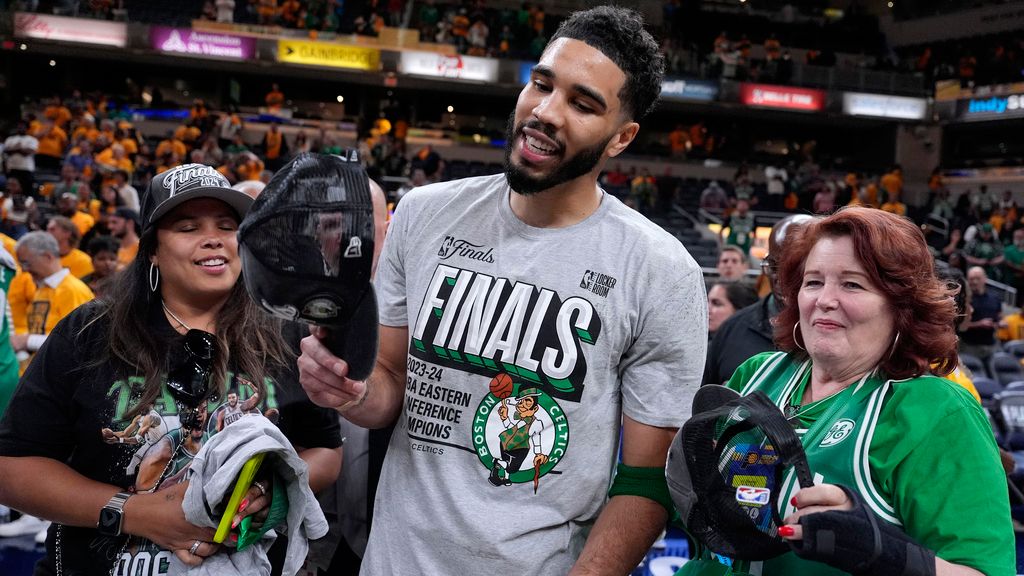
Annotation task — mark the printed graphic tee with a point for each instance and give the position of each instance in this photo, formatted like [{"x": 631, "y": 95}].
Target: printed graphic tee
[
  {"x": 526, "y": 347},
  {"x": 72, "y": 405}
]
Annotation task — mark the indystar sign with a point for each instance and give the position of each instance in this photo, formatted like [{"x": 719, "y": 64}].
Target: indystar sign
[{"x": 991, "y": 107}]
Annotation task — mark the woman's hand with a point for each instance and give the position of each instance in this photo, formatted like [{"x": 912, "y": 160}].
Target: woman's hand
[
  {"x": 833, "y": 526},
  {"x": 256, "y": 503},
  {"x": 810, "y": 501},
  {"x": 159, "y": 517}
]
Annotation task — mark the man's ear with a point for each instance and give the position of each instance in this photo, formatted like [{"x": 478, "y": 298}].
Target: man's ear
[{"x": 622, "y": 139}]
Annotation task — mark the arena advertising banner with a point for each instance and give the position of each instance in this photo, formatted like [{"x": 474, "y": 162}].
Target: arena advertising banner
[
  {"x": 326, "y": 54},
  {"x": 782, "y": 97},
  {"x": 994, "y": 107},
  {"x": 62, "y": 28},
  {"x": 884, "y": 106},
  {"x": 686, "y": 89},
  {"x": 444, "y": 66},
  {"x": 201, "y": 43}
]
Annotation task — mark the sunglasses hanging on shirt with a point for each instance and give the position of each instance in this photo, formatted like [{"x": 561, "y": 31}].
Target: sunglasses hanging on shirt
[{"x": 188, "y": 376}]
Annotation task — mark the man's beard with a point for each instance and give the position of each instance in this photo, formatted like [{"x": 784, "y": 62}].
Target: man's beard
[{"x": 523, "y": 183}]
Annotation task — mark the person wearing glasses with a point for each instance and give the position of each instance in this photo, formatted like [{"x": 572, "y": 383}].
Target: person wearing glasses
[
  {"x": 749, "y": 331},
  {"x": 181, "y": 338}
]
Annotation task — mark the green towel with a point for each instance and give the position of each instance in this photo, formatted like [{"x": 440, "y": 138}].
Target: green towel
[{"x": 278, "y": 515}]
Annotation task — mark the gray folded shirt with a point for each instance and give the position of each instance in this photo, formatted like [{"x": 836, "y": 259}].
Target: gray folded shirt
[{"x": 212, "y": 476}]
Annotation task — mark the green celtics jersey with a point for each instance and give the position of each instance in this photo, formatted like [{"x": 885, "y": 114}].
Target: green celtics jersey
[
  {"x": 919, "y": 452},
  {"x": 8, "y": 362}
]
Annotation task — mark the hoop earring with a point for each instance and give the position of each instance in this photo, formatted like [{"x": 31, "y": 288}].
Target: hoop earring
[
  {"x": 795, "y": 340},
  {"x": 154, "y": 277},
  {"x": 894, "y": 342}
]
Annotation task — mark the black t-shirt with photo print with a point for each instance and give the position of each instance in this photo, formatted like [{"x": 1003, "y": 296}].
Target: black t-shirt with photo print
[{"x": 72, "y": 406}]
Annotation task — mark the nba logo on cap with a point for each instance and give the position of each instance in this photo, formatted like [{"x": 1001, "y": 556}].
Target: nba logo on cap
[{"x": 753, "y": 496}]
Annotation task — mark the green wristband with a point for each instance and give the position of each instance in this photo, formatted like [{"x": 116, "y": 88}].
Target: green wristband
[{"x": 647, "y": 483}]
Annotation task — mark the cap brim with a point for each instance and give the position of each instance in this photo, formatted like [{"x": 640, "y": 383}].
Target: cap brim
[
  {"x": 356, "y": 342},
  {"x": 677, "y": 476},
  {"x": 240, "y": 202}
]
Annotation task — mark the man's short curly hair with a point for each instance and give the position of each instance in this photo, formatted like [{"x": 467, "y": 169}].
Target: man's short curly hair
[{"x": 620, "y": 35}]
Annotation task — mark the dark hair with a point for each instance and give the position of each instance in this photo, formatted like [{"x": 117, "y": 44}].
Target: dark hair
[
  {"x": 246, "y": 335},
  {"x": 962, "y": 267},
  {"x": 956, "y": 281},
  {"x": 738, "y": 294},
  {"x": 620, "y": 35},
  {"x": 129, "y": 215},
  {"x": 895, "y": 257},
  {"x": 102, "y": 244}
]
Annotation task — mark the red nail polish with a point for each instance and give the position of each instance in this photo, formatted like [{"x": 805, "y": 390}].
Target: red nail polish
[
  {"x": 234, "y": 537},
  {"x": 793, "y": 502},
  {"x": 786, "y": 531},
  {"x": 243, "y": 505},
  {"x": 235, "y": 521}
]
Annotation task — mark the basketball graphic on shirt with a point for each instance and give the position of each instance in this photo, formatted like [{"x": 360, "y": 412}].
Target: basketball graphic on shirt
[{"x": 501, "y": 386}]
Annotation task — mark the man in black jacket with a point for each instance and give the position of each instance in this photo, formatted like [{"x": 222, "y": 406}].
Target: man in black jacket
[{"x": 749, "y": 331}]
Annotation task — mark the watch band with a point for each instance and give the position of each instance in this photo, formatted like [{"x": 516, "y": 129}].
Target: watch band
[
  {"x": 111, "y": 517},
  {"x": 117, "y": 501}
]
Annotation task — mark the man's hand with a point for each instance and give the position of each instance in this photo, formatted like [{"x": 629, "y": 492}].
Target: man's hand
[{"x": 324, "y": 376}]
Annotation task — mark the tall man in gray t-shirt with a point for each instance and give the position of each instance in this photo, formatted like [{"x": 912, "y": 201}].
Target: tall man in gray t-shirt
[{"x": 527, "y": 318}]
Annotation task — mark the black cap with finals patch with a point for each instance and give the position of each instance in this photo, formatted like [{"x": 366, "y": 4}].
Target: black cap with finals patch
[{"x": 173, "y": 187}]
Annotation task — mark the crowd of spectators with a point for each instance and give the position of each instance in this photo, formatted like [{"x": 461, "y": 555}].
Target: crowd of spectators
[
  {"x": 702, "y": 41},
  {"x": 994, "y": 59}
]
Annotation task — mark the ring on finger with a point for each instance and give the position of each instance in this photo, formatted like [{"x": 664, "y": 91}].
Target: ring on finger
[
  {"x": 259, "y": 486},
  {"x": 195, "y": 547}
]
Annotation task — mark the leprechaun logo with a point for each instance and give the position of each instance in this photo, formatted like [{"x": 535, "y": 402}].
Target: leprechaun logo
[{"x": 519, "y": 432}]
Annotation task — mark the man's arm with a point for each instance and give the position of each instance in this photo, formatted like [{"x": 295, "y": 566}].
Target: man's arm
[
  {"x": 628, "y": 525},
  {"x": 374, "y": 403}
]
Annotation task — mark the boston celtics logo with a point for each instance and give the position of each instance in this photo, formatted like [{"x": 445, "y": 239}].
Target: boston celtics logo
[
  {"x": 519, "y": 432},
  {"x": 838, "y": 432}
]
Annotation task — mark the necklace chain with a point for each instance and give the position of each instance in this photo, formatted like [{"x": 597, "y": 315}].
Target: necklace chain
[
  {"x": 175, "y": 316},
  {"x": 58, "y": 548}
]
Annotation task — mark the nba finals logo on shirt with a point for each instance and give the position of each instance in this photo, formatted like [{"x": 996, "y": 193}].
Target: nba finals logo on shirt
[
  {"x": 519, "y": 433},
  {"x": 481, "y": 324},
  {"x": 838, "y": 432},
  {"x": 452, "y": 246},
  {"x": 185, "y": 178}
]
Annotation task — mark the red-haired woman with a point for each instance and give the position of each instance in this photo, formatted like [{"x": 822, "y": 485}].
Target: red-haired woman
[{"x": 908, "y": 478}]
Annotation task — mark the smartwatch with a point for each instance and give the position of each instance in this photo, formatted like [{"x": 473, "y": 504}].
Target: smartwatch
[{"x": 112, "y": 515}]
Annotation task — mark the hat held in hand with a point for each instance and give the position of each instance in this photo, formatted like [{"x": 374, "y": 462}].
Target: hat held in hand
[
  {"x": 727, "y": 468},
  {"x": 307, "y": 253}
]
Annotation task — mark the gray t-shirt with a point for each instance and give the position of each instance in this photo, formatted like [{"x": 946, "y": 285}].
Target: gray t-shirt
[{"x": 526, "y": 347}]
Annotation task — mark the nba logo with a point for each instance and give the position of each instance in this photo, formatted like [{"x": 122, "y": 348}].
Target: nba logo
[
  {"x": 752, "y": 496},
  {"x": 446, "y": 246}
]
